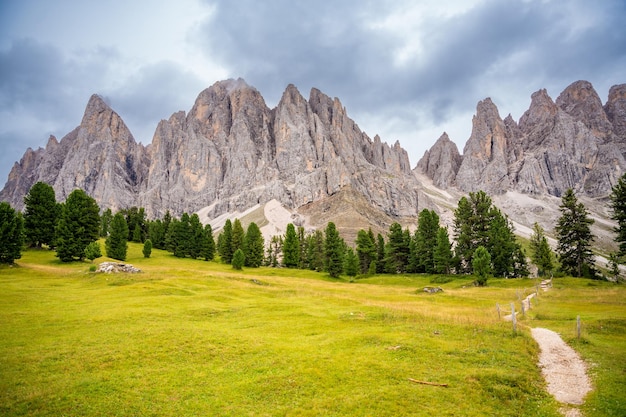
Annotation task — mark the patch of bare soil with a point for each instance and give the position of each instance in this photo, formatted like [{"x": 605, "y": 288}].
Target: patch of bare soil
[{"x": 563, "y": 370}]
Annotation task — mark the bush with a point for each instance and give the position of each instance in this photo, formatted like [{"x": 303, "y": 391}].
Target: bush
[{"x": 147, "y": 248}]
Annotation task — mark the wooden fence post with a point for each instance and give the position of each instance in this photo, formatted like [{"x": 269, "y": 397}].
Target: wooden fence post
[
  {"x": 498, "y": 308},
  {"x": 513, "y": 318},
  {"x": 578, "y": 326}
]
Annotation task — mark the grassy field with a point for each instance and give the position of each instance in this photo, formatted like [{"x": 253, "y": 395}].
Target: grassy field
[{"x": 187, "y": 338}]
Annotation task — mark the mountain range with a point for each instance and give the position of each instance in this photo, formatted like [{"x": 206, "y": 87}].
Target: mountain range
[{"x": 232, "y": 155}]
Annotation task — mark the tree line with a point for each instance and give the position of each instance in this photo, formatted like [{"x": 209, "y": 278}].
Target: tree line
[{"x": 483, "y": 241}]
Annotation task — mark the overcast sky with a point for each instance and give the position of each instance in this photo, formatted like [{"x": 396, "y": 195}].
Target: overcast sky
[{"x": 406, "y": 70}]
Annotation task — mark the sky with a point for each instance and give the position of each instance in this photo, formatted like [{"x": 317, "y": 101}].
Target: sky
[{"x": 407, "y": 70}]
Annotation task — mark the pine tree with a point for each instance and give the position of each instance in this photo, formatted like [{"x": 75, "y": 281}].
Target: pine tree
[
  {"x": 351, "y": 263},
  {"x": 196, "y": 234},
  {"x": 618, "y": 206},
  {"x": 11, "y": 234},
  {"x": 208, "y": 244},
  {"x": 397, "y": 250},
  {"x": 291, "y": 248},
  {"x": 181, "y": 230},
  {"x": 254, "y": 244},
  {"x": 41, "y": 213},
  {"x": 365, "y": 249},
  {"x": 481, "y": 264},
  {"x": 333, "y": 250},
  {"x": 239, "y": 258},
  {"x": 156, "y": 233},
  {"x": 442, "y": 255},
  {"x": 380, "y": 254},
  {"x": 315, "y": 251},
  {"x": 472, "y": 220},
  {"x": 225, "y": 247},
  {"x": 425, "y": 240},
  {"x": 136, "y": 221},
  {"x": 238, "y": 236},
  {"x": 116, "y": 243},
  {"x": 147, "y": 248},
  {"x": 79, "y": 225},
  {"x": 574, "y": 237},
  {"x": 502, "y": 244}
]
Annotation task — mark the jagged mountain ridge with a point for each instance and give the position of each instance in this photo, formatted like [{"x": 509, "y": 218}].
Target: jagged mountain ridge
[
  {"x": 228, "y": 153},
  {"x": 575, "y": 142}
]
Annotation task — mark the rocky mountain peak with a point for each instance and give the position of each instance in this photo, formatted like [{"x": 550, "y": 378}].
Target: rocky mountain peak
[
  {"x": 581, "y": 101},
  {"x": 441, "y": 163},
  {"x": 615, "y": 109}
]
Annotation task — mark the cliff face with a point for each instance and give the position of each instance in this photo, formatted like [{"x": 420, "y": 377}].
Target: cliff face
[
  {"x": 229, "y": 152},
  {"x": 100, "y": 156},
  {"x": 575, "y": 142}
]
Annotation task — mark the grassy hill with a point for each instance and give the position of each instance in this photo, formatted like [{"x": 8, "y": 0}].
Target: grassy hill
[{"x": 188, "y": 337}]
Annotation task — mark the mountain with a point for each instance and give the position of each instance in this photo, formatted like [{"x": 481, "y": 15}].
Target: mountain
[
  {"x": 229, "y": 153},
  {"x": 305, "y": 161},
  {"x": 575, "y": 142}
]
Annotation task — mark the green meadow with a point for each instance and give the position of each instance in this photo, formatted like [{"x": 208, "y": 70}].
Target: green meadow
[{"x": 192, "y": 338}]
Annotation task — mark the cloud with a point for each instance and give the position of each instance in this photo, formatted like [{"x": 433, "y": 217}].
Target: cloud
[
  {"x": 153, "y": 93},
  {"x": 431, "y": 66}
]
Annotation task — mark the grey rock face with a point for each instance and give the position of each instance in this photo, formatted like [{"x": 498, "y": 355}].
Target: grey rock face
[
  {"x": 573, "y": 143},
  {"x": 228, "y": 153},
  {"x": 441, "y": 163},
  {"x": 100, "y": 156}
]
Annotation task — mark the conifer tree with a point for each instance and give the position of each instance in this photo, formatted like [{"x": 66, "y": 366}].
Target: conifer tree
[
  {"x": 442, "y": 255},
  {"x": 92, "y": 251},
  {"x": 365, "y": 249},
  {"x": 196, "y": 233},
  {"x": 181, "y": 230},
  {"x": 254, "y": 245},
  {"x": 208, "y": 244},
  {"x": 41, "y": 213},
  {"x": 618, "y": 206},
  {"x": 225, "y": 247},
  {"x": 239, "y": 258},
  {"x": 291, "y": 248},
  {"x": 116, "y": 243},
  {"x": 540, "y": 251},
  {"x": 380, "y": 254},
  {"x": 481, "y": 264},
  {"x": 11, "y": 234},
  {"x": 79, "y": 225},
  {"x": 333, "y": 249},
  {"x": 105, "y": 222},
  {"x": 315, "y": 251},
  {"x": 425, "y": 240},
  {"x": 574, "y": 236},
  {"x": 237, "y": 236},
  {"x": 351, "y": 263},
  {"x": 156, "y": 234},
  {"x": 397, "y": 250},
  {"x": 472, "y": 221},
  {"x": 147, "y": 248}
]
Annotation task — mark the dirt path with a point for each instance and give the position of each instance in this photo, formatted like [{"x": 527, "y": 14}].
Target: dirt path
[{"x": 562, "y": 369}]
